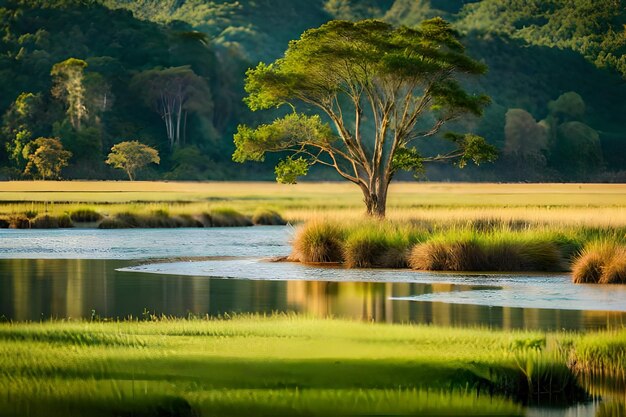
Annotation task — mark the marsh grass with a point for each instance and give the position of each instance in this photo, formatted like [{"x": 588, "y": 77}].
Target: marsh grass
[
  {"x": 487, "y": 206},
  {"x": 375, "y": 246},
  {"x": 318, "y": 241},
  {"x": 267, "y": 217},
  {"x": 228, "y": 217},
  {"x": 434, "y": 246},
  {"x": 85, "y": 215},
  {"x": 46, "y": 221},
  {"x": 291, "y": 365},
  {"x": 602, "y": 262}
]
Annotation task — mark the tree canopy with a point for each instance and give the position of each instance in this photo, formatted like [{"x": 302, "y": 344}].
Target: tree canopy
[
  {"x": 99, "y": 49},
  {"x": 380, "y": 89},
  {"x": 132, "y": 156}
]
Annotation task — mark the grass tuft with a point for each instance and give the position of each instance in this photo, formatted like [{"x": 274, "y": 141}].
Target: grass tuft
[
  {"x": 47, "y": 221},
  {"x": 85, "y": 215},
  {"x": 227, "y": 217},
  {"x": 600, "y": 262},
  {"x": 265, "y": 217},
  {"x": 318, "y": 241}
]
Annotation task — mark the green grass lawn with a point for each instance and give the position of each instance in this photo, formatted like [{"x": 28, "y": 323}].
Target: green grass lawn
[{"x": 286, "y": 365}]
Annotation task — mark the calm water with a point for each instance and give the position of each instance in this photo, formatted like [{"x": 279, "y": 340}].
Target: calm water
[
  {"x": 34, "y": 289},
  {"x": 77, "y": 273}
]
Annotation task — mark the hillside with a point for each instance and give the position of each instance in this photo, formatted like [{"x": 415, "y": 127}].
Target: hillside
[{"x": 556, "y": 78}]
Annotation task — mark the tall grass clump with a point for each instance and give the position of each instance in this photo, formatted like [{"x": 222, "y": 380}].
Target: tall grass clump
[
  {"x": 47, "y": 221},
  {"x": 381, "y": 245},
  {"x": 319, "y": 241},
  {"x": 85, "y": 215},
  {"x": 228, "y": 217},
  {"x": 265, "y": 217},
  {"x": 498, "y": 250},
  {"x": 442, "y": 255},
  {"x": 600, "y": 262}
]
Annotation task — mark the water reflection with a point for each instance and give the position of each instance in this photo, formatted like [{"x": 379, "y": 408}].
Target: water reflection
[{"x": 60, "y": 288}]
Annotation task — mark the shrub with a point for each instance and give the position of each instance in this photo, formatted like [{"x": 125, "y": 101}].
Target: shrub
[{"x": 318, "y": 241}]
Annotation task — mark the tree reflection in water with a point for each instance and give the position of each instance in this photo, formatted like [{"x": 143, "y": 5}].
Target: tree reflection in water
[{"x": 43, "y": 289}]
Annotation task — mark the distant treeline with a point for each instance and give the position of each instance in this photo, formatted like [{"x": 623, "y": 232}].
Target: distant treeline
[{"x": 170, "y": 73}]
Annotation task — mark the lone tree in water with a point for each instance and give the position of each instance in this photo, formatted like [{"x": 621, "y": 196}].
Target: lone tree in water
[
  {"x": 132, "y": 156},
  {"x": 381, "y": 89}
]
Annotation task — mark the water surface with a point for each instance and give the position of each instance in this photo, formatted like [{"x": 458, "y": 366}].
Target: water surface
[{"x": 83, "y": 273}]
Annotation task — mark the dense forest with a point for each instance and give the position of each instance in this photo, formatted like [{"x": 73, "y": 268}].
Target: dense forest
[{"x": 170, "y": 74}]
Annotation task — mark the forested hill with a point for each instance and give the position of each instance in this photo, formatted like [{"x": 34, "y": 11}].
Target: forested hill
[{"x": 92, "y": 73}]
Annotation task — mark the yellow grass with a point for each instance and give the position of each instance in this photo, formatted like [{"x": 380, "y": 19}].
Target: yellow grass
[{"x": 572, "y": 204}]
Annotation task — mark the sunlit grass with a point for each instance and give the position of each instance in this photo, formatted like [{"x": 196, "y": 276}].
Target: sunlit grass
[
  {"x": 289, "y": 365},
  {"x": 472, "y": 245},
  {"x": 556, "y": 204}
]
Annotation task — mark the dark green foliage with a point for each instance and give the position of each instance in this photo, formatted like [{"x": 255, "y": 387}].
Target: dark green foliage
[
  {"x": 381, "y": 88},
  {"x": 535, "y": 50}
]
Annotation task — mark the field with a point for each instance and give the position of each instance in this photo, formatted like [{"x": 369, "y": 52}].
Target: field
[
  {"x": 290, "y": 365},
  {"x": 590, "y": 204}
]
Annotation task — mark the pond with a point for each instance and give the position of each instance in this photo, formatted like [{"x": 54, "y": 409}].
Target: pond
[{"x": 81, "y": 273}]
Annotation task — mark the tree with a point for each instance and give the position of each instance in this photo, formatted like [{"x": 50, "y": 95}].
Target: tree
[
  {"x": 132, "y": 156},
  {"x": 68, "y": 86},
  {"x": 46, "y": 156},
  {"x": 173, "y": 92},
  {"x": 381, "y": 88},
  {"x": 524, "y": 137},
  {"x": 21, "y": 122},
  {"x": 525, "y": 146}
]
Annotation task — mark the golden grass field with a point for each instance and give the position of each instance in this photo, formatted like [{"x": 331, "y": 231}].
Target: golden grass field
[{"x": 596, "y": 204}]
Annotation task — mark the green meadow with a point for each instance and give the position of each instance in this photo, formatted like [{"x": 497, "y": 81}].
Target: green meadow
[{"x": 292, "y": 365}]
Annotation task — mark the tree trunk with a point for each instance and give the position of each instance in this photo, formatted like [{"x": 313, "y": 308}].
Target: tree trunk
[{"x": 375, "y": 199}]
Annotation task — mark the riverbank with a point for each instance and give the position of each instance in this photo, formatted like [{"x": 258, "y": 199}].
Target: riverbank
[
  {"x": 145, "y": 218},
  {"x": 291, "y": 365}
]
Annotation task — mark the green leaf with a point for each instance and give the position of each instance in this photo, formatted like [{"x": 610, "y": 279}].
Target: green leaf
[
  {"x": 288, "y": 170},
  {"x": 408, "y": 159}
]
